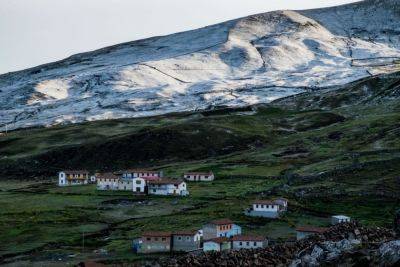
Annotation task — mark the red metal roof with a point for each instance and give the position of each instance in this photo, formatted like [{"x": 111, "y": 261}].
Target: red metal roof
[
  {"x": 156, "y": 234},
  {"x": 222, "y": 221},
  {"x": 248, "y": 238},
  {"x": 186, "y": 233},
  {"x": 312, "y": 229}
]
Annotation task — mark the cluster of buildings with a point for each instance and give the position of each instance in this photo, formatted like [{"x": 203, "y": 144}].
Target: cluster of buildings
[
  {"x": 136, "y": 180},
  {"x": 218, "y": 235}
]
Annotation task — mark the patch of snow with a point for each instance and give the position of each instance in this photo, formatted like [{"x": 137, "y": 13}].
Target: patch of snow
[{"x": 247, "y": 61}]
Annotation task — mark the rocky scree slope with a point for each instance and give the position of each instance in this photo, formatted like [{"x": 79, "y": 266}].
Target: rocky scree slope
[
  {"x": 247, "y": 61},
  {"x": 345, "y": 245}
]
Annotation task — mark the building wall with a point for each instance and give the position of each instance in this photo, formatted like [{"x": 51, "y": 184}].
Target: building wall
[
  {"x": 248, "y": 244},
  {"x": 185, "y": 242},
  {"x": 107, "y": 184},
  {"x": 336, "y": 220},
  {"x": 211, "y": 246},
  {"x": 196, "y": 177},
  {"x": 265, "y": 207},
  {"x": 225, "y": 246},
  {"x": 68, "y": 180},
  {"x": 77, "y": 182},
  {"x": 224, "y": 230},
  {"x": 138, "y": 185},
  {"x": 125, "y": 185},
  {"x": 283, "y": 204},
  {"x": 182, "y": 189},
  {"x": 166, "y": 189},
  {"x": 142, "y": 174},
  {"x": 62, "y": 179},
  {"x": 209, "y": 231},
  {"x": 156, "y": 244},
  {"x": 265, "y": 214},
  {"x": 236, "y": 230}
]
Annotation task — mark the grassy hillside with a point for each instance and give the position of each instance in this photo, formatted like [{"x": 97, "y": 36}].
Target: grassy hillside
[{"x": 335, "y": 153}]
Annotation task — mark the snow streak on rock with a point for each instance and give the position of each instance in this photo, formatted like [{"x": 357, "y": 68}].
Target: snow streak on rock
[{"x": 251, "y": 60}]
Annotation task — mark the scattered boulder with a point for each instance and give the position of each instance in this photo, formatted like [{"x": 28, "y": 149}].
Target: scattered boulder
[{"x": 390, "y": 253}]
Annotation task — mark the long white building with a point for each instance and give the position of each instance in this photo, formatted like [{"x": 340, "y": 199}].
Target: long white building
[
  {"x": 68, "y": 178},
  {"x": 167, "y": 187}
]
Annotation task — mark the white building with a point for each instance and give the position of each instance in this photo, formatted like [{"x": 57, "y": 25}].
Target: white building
[
  {"x": 140, "y": 184},
  {"x": 125, "y": 184},
  {"x": 93, "y": 179},
  {"x": 339, "y": 219},
  {"x": 217, "y": 244},
  {"x": 134, "y": 173},
  {"x": 268, "y": 208},
  {"x": 107, "y": 181},
  {"x": 199, "y": 176},
  {"x": 248, "y": 242},
  {"x": 67, "y": 178},
  {"x": 167, "y": 187}
]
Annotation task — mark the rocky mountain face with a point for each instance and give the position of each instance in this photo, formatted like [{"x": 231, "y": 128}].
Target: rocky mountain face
[{"x": 256, "y": 59}]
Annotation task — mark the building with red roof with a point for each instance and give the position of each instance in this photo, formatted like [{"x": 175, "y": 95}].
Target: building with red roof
[
  {"x": 77, "y": 177},
  {"x": 305, "y": 231},
  {"x": 167, "y": 186},
  {"x": 221, "y": 228},
  {"x": 186, "y": 240},
  {"x": 268, "y": 208}
]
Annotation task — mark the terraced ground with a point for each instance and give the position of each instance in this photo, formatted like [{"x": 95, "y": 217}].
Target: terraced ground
[{"x": 338, "y": 152}]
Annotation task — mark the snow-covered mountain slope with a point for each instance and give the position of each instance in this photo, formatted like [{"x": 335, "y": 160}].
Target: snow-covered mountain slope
[{"x": 251, "y": 60}]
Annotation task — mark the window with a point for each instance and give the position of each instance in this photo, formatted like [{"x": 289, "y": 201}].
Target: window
[
  {"x": 154, "y": 190},
  {"x": 256, "y": 205},
  {"x": 247, "y": 243},
  {"x": 179, "y": 238},
  {"x": 255, "y": 243},
  {"x": 240, "y": 243},
  {"x": 148, "y": 239},
  {"x": 163, "y": 239},
  {"x": 188, "y": 238},
  {"x": 138, "y": 182}
]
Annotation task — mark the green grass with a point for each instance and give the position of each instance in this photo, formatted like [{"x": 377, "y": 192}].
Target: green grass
[{"x": 346, "y": 134}]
